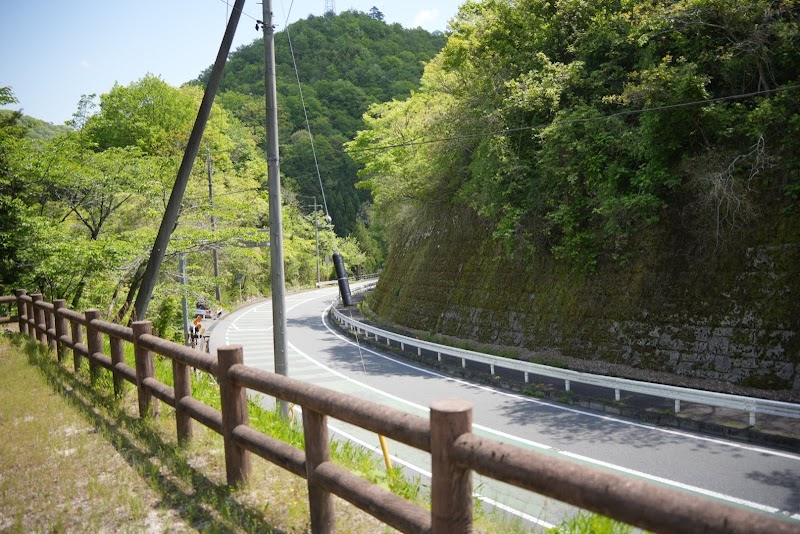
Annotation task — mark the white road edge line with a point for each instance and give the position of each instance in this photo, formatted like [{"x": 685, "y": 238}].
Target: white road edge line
[
  {"x": 542, "y": 446},
  {"x": 743, "y": 446},
  {"x": 586, "y": 459},
  {"x": 423, "y": 472},
  {"x": 708, "y": 493}
]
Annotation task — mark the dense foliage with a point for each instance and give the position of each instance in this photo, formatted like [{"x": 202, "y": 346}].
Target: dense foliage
[
  {"x": 575, "y": 125},
  {"x": 80, "y": 209},
  {"x": 80, "y": 204},
  {"x": 345, "y": 63}
]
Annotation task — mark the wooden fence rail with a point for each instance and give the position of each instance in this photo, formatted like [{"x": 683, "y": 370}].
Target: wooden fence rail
[{"x": 455, "y": 451}]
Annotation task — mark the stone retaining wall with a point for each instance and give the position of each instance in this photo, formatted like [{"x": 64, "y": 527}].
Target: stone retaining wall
[{"x": 729, "y": 317}]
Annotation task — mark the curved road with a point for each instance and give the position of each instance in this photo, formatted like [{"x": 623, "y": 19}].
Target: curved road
[{"x": 740, "y": 474}]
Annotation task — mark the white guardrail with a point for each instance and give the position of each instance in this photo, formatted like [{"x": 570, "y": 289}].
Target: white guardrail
[{"x": 751, "y": 405}]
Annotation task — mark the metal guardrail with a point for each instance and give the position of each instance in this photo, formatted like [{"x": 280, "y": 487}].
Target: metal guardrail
[
  {"x": 678, "y": 394},
  {"x": 371, "y": 276}
]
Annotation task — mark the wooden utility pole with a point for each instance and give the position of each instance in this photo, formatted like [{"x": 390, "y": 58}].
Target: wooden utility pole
[
  {"x": 192, "y": 148},
  {"x": 275, "y": 219}
]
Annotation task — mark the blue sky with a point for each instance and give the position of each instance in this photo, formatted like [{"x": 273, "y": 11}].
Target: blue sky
[{"x": 52, "y": 52}]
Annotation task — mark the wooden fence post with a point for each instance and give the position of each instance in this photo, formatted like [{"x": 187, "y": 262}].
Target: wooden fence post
[
  {"x": 117, "y": 356},
  {"x": 182, "y": 380},
  {"x": 31, "y": 319},
  {"x": 22, "y": 311},
  {"x": 77, "y": 337},
  {"x": 320, "y": 501},
  {"x": 50, "y": 326},
  {"x": 94, "y": 341},
  {"x": 144, "y": 369},
  {"x": 234, "y": 413},
  {"x": 61, "y": 327},
  {"x": 451, "y": 485},
  {"x": 38, "y": 314}
]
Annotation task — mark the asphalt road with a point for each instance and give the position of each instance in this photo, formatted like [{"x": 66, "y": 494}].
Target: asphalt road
[{"x": 753, "y": 477}]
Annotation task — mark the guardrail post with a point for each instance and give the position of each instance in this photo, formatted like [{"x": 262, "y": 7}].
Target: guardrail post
[
  {"x": 315, "y": 431},
  {"x": 566, "y": 385},
  {"x": 117, "y": 356},
  {"x": 233, "y": 399},
  {"x": 61, "y": 327},
  {"x": 677, "y": 406},
  {"x": 22, "y": 312},
  {"x": 50, "y": 326},
  {"x": 182, "y": 380},
  {"x": 451, "y": 485},
  {"x": 38, "y": 314},
  {"x": 94, "y": 341},
  {"x": 144, "y": 369},
  {"x": 77, "y": 337}
]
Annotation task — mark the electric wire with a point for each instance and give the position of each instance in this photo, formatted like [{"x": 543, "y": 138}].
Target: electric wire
[
  {"x": 506, "y": 131},
  {"x": 305, "y": 111},
  {"x": 243, "y": 12}
]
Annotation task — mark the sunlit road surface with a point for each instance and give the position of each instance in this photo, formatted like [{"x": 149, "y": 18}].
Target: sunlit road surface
[{"x": 752, "y": 477}]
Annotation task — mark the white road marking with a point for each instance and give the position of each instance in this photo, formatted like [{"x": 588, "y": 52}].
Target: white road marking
[
  {"x": 707, "y": 493},
  {"x": 530, "y": 443},
  {"x": 425, "y": 473},
  {"x": 514, "y": 396}
]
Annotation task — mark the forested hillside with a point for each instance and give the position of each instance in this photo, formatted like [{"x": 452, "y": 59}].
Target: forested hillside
[
  {"x": 616, "y": 181},
  {"x": 80, "y": 205},
  {"x": 345, "y": 63},
  {"x": 574, "y": 126}
]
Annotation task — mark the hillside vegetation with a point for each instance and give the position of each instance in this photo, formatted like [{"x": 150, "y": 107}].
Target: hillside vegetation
[
  {"x": 615, "y": 181},
  {"x": 80, "y": 204},
  {"x": 574, "y": 126},
  {"x": 344, "y": 63}
]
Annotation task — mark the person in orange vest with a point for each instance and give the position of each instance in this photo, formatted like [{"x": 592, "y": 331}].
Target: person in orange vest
[{"x": 196, "y": 329}]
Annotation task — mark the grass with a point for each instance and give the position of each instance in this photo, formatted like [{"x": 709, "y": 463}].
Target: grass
[
  {"x": 79, "y": 461},
  {"x": 52, "y": 454},
  {"x": 597, "y": 524}
]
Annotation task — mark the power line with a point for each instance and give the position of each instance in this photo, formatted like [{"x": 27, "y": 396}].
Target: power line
[
  {"x": 576, "y": 121},
  {"x": 240, "y": 10},
  {"x": 305, "y": 113}
]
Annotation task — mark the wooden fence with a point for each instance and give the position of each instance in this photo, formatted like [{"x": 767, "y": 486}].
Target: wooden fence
[{"x": 455, "y": 451}]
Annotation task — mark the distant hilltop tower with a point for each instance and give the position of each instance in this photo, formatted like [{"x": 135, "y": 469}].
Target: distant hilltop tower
[{"x": 330, "y": 6}]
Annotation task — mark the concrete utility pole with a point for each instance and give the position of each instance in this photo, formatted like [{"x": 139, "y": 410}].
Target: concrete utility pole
[
  {"x": 316, "y": 237},
  {"x": 192, "y": 148},
  {"x": 214, "y": 246},
  {"x": 275, "y": 219}
]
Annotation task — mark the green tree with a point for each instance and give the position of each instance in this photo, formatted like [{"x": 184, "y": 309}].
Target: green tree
[
  {"x": 574, "y": 126},
  {"x": 345, "y": 62}
]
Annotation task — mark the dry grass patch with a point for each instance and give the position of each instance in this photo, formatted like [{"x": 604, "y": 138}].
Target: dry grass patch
[
  {"x": 58, "y": 473},
  {"x": 80, "y": 460}
]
